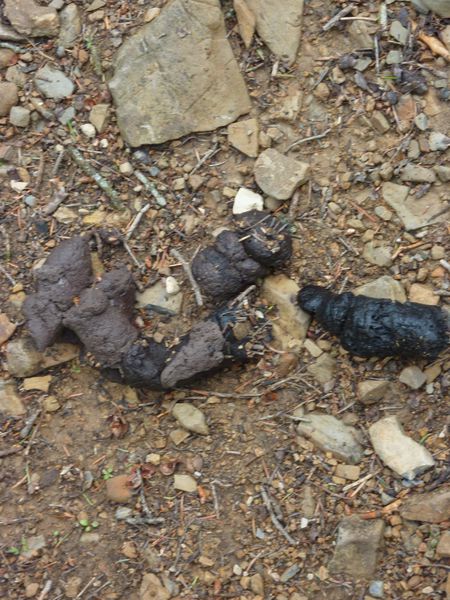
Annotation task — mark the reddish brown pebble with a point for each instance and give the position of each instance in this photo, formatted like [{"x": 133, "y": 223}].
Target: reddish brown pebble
[{"x": 118, "y": 489}]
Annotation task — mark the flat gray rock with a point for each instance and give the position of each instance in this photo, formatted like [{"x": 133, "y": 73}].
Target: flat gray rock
[
  {"x": 357, "y": 547},
  {"x": 279, "y": 175},
  {"x": 177, "y": 75},
  {"x": 32, "y": 19},
  {"x": 383, "y": 287},
  {"x": 70, "y": 26},
  {"x": 279, "y": 25},
  {"x": 52, "y": 83},
  {"x": 331, "y": 435},
  {"x": 414, "y": 213}
]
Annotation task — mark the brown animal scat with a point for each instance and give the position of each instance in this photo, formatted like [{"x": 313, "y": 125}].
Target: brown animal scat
[{"x": 64, "y": 275}]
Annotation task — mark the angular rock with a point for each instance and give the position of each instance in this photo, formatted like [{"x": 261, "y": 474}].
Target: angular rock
[
  {"x": 442, "y": 172},
  {"x": 413, "y": 377},
  {"x": 70, "y": 19},
  {"x": 52, "y": 83},
  {"x": 443, "y": 548},
  {"x": 357, "y": 547},
  {"x": 373, "y": 390},
  {"x": 399, "y": 452},
  {"x": 37, "y": 383},
  {"x": 6, "y": 328},
  {"x": 190, "y": 417},
  {"x": 430, "y": 507},
  {"x": 246, "y": 21},
  {"x": 378, "y": 253},
  {"x": 414, "y": 213},
  {"x": 99, "y": 116},
  {"x": 184, "y": 483},
  {"x": 23, "y": 358},
  {"x": 417, "y": 174},
  {"x": 291, "y": 323},
  {"x": 359, "y": 34},
  {"x": 152, "y": 588},
  {"x": 19, "y": 116},
  {"x": 177, "y": 75},
  {"x": 331, "y": 435},
  {"x": 9, "y": 96},
  {"x": 11, "y": 404},
  {"x": 423, "y": 294},
  {"x": 243, "y": 135},
  {"x": 383, "y": 287},
  {"x": 246, "y": 200},
  {"x": 279, "y": 175},
  {"x": 323, "y": 369},
  {"x": 31, "y": 19},
  {"x": 279, "y": 25}
]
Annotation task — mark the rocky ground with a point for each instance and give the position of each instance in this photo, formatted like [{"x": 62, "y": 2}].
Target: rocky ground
[{"x": 310, "y": 474}]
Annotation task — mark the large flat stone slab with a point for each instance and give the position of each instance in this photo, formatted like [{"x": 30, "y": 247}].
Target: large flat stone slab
[
  {"x": 414, "y": 213},
  {"x": 177, "y": 75}
]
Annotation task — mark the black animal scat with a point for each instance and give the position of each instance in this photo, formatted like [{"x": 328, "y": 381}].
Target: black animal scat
[
  {"x": 376, "y": 327},
  {"x": 238, "y": 258}
]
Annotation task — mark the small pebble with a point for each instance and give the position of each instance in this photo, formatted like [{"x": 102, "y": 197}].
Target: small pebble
[
  {"x": 88, "y": 130},
  {"x": 118, "y": 489}
]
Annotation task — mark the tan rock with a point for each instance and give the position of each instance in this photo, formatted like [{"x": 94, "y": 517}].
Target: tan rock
[
  {"x": 279, "y": 25},
  {"x": 10, "y": 402},
  {"x": 422, "y": 294},
  {"x": 184, "y": 483},
  {"x": 443, "y": 548},
  {"x": 373, "y": 390},
  {"x": 152, "y": 588},
  {"x": 279, "y": 175},
  {"x": 291, "y": 323},
  {"x": 9, "y": 97},
  {"x": 246, "y": 21},
  {"x": 51, "y": 404},
  {"x": 244, "y": 136},
  {"x": 167, "y": 85},
  {"x": 6, "y": 328},
  {"x": 37, "y": 383},
  {"x": 32, "y": 19}
]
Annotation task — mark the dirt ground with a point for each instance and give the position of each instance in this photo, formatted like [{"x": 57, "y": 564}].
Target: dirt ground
[{"x": 218, "y": 542}]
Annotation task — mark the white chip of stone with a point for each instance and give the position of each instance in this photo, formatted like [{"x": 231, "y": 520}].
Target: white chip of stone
[
  {"x": 88, "y": 130},
  {"x": 172, "y": 286},
  {"x": 246, "y": 200},
  {"x": 399, "y": 452}
]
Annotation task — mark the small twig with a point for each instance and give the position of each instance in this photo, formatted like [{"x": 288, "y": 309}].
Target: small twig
[
  {"x": 9, "y": 277},
  {"x": 58, "y": 198},
  {"x": 308, "y": 139},
  {"x": 86, "y": 587},
  {"x": 275, "y": 521},
  {"x": 215, "y": 500},
  {"x": 44, "y": 112},
  {"x": 24, "y": 432},
  {"x": 40, "y": 172},
  {"x": 132, "y": 256},
  {"x": 95, "y": 175},
  {"x": 46, "y": 589},
  {"x": 136, "y": 221},
  {"x": 58, "y": 162},
  {"x": 10, "y": 451},
  {"x": 205, "y": 157},
  {"x": 187, "y": 269},
  {"x": 151, "y": 187},
  {"x": 335, "y": 20},
  {"x": 238, "y": 300}
]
